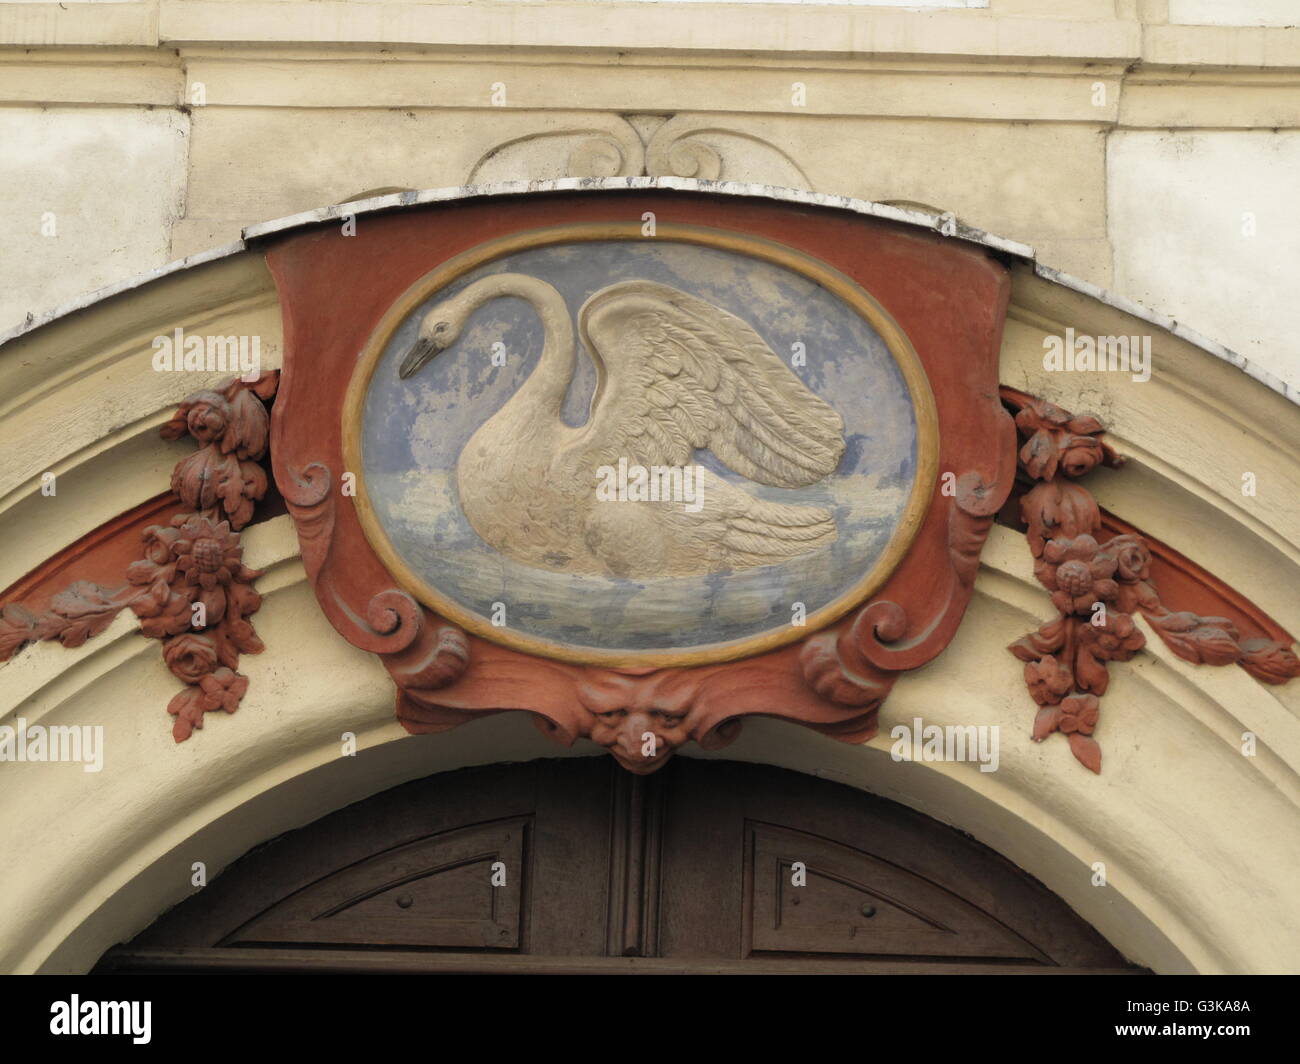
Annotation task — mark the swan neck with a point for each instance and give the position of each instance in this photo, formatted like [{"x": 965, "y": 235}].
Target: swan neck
[{"x": 549, "y": 381}]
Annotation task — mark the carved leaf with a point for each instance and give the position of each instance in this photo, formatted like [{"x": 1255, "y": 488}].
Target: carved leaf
[
  {"x": 176, "y": 427},
  {"x": 266, "y": 384},
  {"x": 1039, "y": 455},
  {"x": 146, "y": 572},
  {"x": 209, "y": 479},
  {"x": 1049, "y": 638},
  {"x": 243, "y": 599},
  {"x": 1139, "y": 596},
  {"x": 246, "y": 429},
  {"x": 252, "y": 487},
  {"x": 1047, "y": 721},
  {"x": 187, "y": 708},
  {"x": 77, "y": 613},
  {"x": 1086, "y": 751},
  {"x": 223, "y": 689},
  {"x": 1024, "y": 648},
  {"x": 17, "y": 628},
  {"x": 1200, "y": 640},
  {"x": 241, "y": 635},
  {"x": 201, "y": 479},
  {"x": 1084, "y": 425},
  {"x": 162, "y": 612},
  {"x": 227, "y": 650},
  {"x": 1269, "y": 661},
  {"x": 1118, "y": 639},
  {"x": 1090, "y": 672}
]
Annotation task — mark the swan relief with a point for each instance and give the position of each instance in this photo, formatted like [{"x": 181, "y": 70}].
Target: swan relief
[{"x": 675, "y": 374}]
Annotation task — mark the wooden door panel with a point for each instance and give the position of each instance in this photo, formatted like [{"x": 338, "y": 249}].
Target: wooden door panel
[
  {"x": 440, "y": 834},
  {"x": 434, "y": 892},
  {"x": 720, "y": 898},
  {"x": 689, "y": 870},
  {"x": 854, "y": 902}
]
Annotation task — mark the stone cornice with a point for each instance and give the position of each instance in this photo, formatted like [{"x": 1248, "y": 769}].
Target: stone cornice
[{"x": 803, "y": 31}]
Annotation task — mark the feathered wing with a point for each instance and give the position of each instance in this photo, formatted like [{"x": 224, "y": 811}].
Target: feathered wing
[
  {"x": 746, "y": 531},
  {"x": 677, "y": 373}
]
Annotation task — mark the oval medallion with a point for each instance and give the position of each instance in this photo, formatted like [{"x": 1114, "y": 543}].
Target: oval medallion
[{"x": 602, "y": 447}]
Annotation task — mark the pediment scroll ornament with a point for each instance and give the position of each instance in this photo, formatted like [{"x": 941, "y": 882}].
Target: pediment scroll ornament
[
  {"x": 859, "y": 663},
  {"x": 635, "y": 145},
  {"x": 391, "y": 624}
]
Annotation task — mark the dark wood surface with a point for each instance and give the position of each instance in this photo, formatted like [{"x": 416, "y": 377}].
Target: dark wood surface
[
  {"x": 689, "y": 870},
  {"x": 377, "y": 962}
]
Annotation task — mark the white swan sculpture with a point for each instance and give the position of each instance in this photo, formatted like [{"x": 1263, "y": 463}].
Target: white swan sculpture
[{"x": 674, "y": 374}]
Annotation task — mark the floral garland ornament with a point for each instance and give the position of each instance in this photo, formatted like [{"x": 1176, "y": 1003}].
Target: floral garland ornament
[
  {"x": 196, "y": 562},
  {"x": 191, "y": 588},
  {"x": 1097, "y": 586}
]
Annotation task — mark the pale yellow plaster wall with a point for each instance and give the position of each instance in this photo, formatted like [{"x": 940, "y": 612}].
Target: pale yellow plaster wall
[{"x": 1121, "y": 138}]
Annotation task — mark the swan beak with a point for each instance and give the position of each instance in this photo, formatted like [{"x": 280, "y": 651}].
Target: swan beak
[{"x": 420, "y": 353}]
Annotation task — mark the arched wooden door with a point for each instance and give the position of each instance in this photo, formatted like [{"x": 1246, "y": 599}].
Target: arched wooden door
[{"x": 693, "y": 869}]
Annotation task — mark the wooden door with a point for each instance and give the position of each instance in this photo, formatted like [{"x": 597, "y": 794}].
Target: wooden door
[{"x": 574, "y": 865}]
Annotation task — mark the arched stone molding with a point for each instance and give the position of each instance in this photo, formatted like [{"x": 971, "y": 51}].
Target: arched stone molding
[
  {"x": 1188, "y": 434},
  {"x": 119, "y": 849},
  {"x": 81, "y": 400},
  {"x": 1179, "y": 818}
]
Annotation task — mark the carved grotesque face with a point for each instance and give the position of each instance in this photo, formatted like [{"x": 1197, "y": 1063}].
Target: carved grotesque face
[{"x": 641, "y": 739}]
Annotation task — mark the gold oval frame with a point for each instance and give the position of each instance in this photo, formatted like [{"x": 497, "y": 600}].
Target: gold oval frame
[{"x": 899, "y": 346}]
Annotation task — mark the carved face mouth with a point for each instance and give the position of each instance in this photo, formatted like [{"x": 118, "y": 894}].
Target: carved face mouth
[{"x": 642, "y": 766}]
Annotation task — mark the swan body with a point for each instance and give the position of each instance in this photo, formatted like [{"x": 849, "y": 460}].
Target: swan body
[{"x": 675, "y": 374}]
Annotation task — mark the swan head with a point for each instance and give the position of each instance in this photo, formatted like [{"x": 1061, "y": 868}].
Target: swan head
[{"x": 439, "y": 329}]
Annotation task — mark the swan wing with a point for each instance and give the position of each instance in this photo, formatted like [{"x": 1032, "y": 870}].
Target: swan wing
[
  {"x": 677, "y": 373},
  {"x": 746, "y": 531}
]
